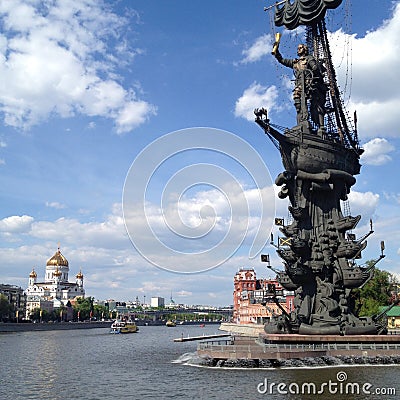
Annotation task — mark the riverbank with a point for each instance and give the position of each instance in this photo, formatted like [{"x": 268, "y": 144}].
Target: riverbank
[{"x": 45, "y": 326}]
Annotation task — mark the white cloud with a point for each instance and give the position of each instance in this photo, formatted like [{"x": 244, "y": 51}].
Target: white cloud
[
  {"x": 261, "y": 46},
  {"x": 202, "y": 228},
  {"x": 57, "y": 59},
  {"x": 364, "y": 204},
  {"x": 256, "y": 96},
  {"x": 184, "y": 293},
  {"x": 56, "y": 205},
  {"x": 107, "y": 234},
  {"x": 133, "y": 114},
  {"x": 205, "y": 217},
  {"x": 374, "y": 77},
  {"x": 376, "y": 152},
  {"x": 150, "y": 287},
  {"x": 16, "y": 224},
  {"x": 392, "y": 197}
]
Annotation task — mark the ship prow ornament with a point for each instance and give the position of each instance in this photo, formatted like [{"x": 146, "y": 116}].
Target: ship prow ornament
[{"x": 320, "y": 155}]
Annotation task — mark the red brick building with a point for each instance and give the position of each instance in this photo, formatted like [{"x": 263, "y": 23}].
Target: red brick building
[{"x": 249, "y": 295}]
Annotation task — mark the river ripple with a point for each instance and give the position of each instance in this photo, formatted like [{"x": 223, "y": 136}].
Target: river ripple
[{"x": 94, "y": 365}]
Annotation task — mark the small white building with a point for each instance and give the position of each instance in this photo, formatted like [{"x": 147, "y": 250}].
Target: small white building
[
  {"x": 157, "y": 302},
  {"x": 34, "y": 302},
  {"x": 56, "y": 287}
]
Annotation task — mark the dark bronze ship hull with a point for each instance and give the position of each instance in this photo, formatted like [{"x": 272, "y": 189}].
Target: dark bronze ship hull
[
  {"x": 311, "y": 153},
  {"x": 354, "y": 276}
]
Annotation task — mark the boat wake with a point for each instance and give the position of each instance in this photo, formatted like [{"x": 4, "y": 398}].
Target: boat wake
[
  {"x": 186, "y": 358},
  {"x": 194, "y": 360}
]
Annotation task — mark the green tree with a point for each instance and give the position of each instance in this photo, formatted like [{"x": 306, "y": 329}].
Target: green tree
[
  {"x": 375, "y": 293},
  {"x": 83, "y": 307},
  {"x": 35, "y": 315},
  {"x": 5, "y": 308},
  {"x": 59, "y": 314},
  {"x": 100, "y": 312}
]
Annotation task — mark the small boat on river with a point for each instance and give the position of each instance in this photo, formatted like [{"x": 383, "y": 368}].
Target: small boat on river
[
  {"x": 124, "y": 327},
  {"x": 170, "y": 323}
]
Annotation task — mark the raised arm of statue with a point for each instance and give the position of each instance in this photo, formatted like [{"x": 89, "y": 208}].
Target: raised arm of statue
[{"x": 287, "y": 62}]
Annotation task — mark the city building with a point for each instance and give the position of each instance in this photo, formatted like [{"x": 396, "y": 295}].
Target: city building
[
  {"x": 34, "y": 302},
  {"x": 56, "y": 290},
  {"x": 172, "y": 304},
  {"x": 156, "y": 302},
  {"x": 121, "y": 309},
  {"x": 16, "y": 297},
  {"x": 392, "y": 316},
  {"x": 252, "y": 303}
]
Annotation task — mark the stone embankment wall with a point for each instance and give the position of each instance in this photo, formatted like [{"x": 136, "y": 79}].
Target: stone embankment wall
[{"x": 252, "y": 330}]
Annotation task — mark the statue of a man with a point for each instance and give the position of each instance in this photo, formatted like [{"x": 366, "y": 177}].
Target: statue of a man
[{"x": 309, "y": 84}]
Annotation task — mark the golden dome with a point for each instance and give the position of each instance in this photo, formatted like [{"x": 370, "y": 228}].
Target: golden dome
[
  {"x": 58, "y": 259},
  {"x": 33, "y": 274},
  {"x": 79, "y": 275}
]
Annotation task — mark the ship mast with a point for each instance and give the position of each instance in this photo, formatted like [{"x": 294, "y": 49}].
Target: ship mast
[
  {"x": 338, "y": 124},
  {"x": 292, "y": 14}
]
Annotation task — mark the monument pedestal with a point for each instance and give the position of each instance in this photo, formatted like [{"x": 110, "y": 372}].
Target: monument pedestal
[{"x": 363, "y": 349}]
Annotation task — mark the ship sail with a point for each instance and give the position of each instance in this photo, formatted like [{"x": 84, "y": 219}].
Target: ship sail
[{"x": 303, "y": 12}]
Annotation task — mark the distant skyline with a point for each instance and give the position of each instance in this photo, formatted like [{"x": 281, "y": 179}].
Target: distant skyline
[{"x": 89, "y": 89}]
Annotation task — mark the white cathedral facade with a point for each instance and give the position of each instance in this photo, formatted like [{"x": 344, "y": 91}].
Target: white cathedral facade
[{"x": 56, "y": 290}]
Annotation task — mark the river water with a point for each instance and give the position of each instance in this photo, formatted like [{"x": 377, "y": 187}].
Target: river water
[{"x": 94, "y": 365}]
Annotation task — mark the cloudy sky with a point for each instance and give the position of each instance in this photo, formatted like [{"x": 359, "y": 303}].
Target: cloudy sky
[{"x": 127, "y": 137}]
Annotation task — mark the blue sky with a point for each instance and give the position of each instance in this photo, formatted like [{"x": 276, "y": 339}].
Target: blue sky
[{"x": 89, "y": 89}]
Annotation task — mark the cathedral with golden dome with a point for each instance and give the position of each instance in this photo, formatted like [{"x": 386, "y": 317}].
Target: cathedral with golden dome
[{"x": 56, "y": 290}]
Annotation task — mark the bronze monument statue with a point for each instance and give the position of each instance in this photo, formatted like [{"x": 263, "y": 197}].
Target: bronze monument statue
[
  {"x": 310, "y": 84},
  {"x": 320, "y": 155}
]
